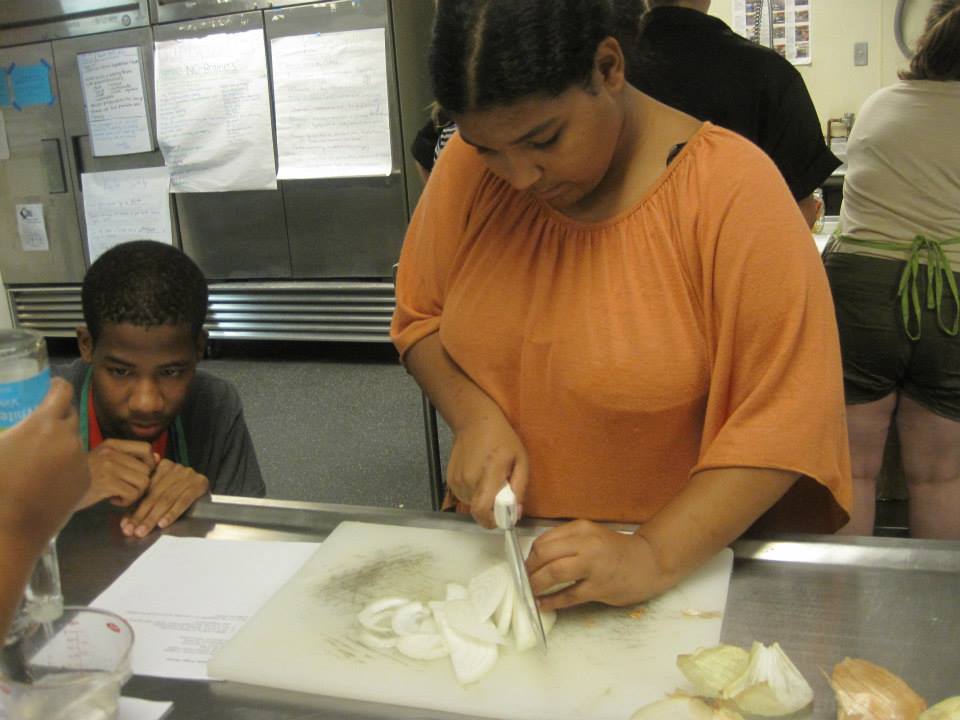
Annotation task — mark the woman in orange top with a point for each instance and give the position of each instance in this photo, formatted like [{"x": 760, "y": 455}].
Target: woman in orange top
[{"x": 617, "y": 309}]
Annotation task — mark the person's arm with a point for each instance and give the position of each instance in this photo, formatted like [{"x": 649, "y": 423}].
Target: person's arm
[
  {"x": 119, "y": 470},
  {"x": 486, "y": 451},
  {"x": 173, "y": 489},
  {"x": 43, "y": 474},
  {"x": 810, "y": 209},
  {"x": 621, "y": 569}
]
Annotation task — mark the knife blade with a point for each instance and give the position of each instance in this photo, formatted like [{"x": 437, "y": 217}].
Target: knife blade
[{"x": 505, "y": 515}]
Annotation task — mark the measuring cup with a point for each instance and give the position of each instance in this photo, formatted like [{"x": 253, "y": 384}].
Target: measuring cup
[{"x": 75, "y": 667}]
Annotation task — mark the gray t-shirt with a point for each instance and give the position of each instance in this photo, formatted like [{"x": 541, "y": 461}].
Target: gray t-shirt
[{"x": 218, "y": 442}]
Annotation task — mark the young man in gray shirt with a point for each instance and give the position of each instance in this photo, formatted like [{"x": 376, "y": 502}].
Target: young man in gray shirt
[{"x": 159, "y": 433}]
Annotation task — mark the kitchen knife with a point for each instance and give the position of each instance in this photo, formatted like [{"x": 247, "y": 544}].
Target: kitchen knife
[{"x": 505, "y": 515}]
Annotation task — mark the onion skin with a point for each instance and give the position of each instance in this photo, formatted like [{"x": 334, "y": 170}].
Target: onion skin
[{"x": 865, "y": 691}]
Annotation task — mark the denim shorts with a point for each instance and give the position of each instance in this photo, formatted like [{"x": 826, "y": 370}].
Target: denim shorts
[{"x": 878, "y": 357}]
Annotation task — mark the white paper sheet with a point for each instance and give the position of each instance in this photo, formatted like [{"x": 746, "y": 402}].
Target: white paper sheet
[
  {"x": 213, "y": 113},
  {"x": 185, "y": 597},
  {"x": 112, "y": 82},
  {"x": 124, "y": 205},
  {"x": 32, "y": 228},
  {"x": 133, "y": 709},
  {"x": 4, "y": 146},
  {"x": 331, "y": 104}
]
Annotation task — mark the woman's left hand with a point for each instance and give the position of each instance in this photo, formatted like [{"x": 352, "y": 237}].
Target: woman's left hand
[{"x": 603, "y": 565}]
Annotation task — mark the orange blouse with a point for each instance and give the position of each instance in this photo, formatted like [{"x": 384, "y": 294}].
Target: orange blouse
[{"x": 693, "y": 331}]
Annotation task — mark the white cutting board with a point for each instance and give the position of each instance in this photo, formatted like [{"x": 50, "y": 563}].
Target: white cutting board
[{"x": 603, "y": 662}]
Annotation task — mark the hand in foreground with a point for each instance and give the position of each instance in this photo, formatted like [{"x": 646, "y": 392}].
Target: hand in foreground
[
  {"x": 486, "y": 454},
  {"x": 43, "y": 470},
  {"x": 120, "y": 470},
  {"x": 603, "y": 565},
  {"x": 173, "y": 489}
]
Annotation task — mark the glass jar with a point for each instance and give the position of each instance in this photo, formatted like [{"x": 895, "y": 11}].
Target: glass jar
[{"x": 24, "y": 382}]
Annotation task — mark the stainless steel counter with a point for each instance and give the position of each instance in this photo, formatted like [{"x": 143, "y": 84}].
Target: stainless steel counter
[{"x": 894, "y": 602}]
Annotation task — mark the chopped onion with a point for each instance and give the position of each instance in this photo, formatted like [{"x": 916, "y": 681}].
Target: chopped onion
[
  {"x": 488, "y": 588},
  {"x": 770, "y": 685},
  {"x": 413, "y": 618},
  {"x": 464, "y": 618},
  {"x": 377, "y": 641},
  {"x": 524, "y": 637},
  {"x": 948, "y": 709},
  {"x": 683, "y": 708},
  {"x": 377, "y": 615},
  {"x": 471, "y": 658},
  {"x": 456, "y": 591},
  {"x": 712, "y": 669},
  {"x": 504, "y": 613},
  {"x": 422, "y": 646}
]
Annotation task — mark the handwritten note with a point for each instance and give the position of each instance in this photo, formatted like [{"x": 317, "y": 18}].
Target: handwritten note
[
  {"x": 213, "y": 113},
  {"x": 31, "y": 85},
  {"x": 32, "y": 228},
  {"x": 331, "y": 104},
  {"x": 112, "y": 82},
  {"x": 125, "y": 205}
]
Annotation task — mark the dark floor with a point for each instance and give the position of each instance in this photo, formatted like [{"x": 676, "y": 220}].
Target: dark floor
[{"x": 332, "y": 422}]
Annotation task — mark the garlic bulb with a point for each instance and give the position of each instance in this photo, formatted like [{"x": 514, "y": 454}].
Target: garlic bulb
[
  {"x": 712, "y": 669},
  {"x": 865, "y": 691},
  {"x": 770, "y": 685},
  {"x": 683, "y": 708},
  {"x": 948, "y": 709}
]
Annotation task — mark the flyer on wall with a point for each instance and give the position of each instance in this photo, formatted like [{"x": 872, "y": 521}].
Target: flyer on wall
[{"x": 783, "y": 25}]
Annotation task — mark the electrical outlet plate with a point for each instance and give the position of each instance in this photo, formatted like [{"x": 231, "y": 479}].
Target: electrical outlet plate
[{"x": 860, "y": 53}]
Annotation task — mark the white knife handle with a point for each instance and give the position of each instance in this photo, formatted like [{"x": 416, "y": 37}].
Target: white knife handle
[{"x": 505, "y": 508}]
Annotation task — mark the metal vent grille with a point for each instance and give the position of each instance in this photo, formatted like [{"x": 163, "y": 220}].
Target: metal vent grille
[{"x": 346, "y": 311}]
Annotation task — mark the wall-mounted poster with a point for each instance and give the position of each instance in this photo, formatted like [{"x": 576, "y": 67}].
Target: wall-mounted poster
[
  {"x": 113, "y": 97},
  {"x": 332, "y": 104},
  {"x": 783, "y": 25},
  {"x": 213, "y": 112}
]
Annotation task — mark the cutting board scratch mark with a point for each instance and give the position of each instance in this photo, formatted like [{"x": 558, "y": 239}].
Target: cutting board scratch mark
[
  {"x": 350, "y": 650},
  {"x": 399, "y": 571}
]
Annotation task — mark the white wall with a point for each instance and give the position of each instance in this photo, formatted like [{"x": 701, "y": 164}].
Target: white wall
[{"x": 835, "y": 84}]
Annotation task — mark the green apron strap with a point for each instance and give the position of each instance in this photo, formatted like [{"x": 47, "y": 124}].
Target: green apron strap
[
  {"x": 180, "y": 450},
  {"x": 180, "y": 453},
  {"x": 85, "y": 410},
  {"x": 938, "y": 269}
]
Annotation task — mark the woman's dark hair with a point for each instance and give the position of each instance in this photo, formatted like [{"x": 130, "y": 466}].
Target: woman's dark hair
[
  {"x": 938, "y": 50},
  {"x": 146, "y": 284},
  {"x": 488, "y": 53}
]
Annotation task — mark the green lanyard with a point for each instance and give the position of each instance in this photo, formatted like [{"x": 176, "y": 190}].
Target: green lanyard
[
  {"x": 179, "y": 437},
  {"x": 938, "y": 269}
]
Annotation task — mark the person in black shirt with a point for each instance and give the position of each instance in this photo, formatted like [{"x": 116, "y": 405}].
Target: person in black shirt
[{"x": 696, "y": 63}]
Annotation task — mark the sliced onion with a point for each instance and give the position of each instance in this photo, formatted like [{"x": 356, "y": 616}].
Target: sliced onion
[
  {"x": 488, "y": 588},
  {"x": 423, "y": 646},
  {"x": 377, "y": 615},
  {"x": 377, "y": 641},
  {"x": 523, "y": 636},
  {"x": 504, "y": 614},
  {"x": 471, "y": 658},
  {"x": 456, "y": 591},
  {"x": 409, "y": 619},
  {"x": 464, "y": 618}
]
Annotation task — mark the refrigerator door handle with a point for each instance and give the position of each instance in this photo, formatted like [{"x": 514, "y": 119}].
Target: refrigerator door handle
[
  {"x": 53, "y": 165},
  {"x": 77, "y": 149}
]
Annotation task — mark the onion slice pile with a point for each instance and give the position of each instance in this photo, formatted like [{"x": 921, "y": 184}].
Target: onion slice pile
[{"x": 469, "y": 625}]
